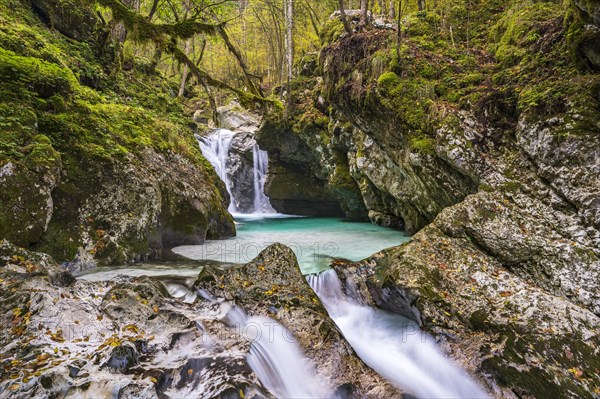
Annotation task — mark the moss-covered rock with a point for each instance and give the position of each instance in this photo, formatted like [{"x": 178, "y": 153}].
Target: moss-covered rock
[{"x": 91, "y": 165}]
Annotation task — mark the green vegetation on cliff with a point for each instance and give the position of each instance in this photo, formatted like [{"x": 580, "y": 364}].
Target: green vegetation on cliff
[{"x": 72, "y": 120}]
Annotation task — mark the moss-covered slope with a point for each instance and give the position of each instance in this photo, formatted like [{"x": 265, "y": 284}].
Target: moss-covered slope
[{"x": 97, "y": 163}]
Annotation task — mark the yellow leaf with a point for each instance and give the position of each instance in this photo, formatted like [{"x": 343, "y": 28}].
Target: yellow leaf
[{"x": 154, "y": 380}]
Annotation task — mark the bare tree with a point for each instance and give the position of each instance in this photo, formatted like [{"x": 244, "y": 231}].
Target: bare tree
[
  {"x": 364, "y": 10},
  {"x": 289, "y": 50},
  {"x": 344, "y": 19},
  {"x": 399, "y": 36}
]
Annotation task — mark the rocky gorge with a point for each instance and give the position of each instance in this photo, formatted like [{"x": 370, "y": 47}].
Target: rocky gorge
[{"x": 490, "y": 158}]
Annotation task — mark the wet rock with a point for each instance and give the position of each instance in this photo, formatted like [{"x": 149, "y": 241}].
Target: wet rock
[
  {"x": 384, "y": 220},
  {"x": 234, "y": 117},
  {"x": 308, "y": 171},
  {"x": 503, "y": 328},
  {"x": 240, "y": 169},
  {"x": 272, "y": 285},
  {"x": 122, "y": 358},
  {"x": 125, "y": 336}
]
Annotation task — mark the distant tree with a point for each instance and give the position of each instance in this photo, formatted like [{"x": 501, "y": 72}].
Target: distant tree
[
  {"x": 289, "y": 50},
  {"x": 364, "y": 17},
  {"x": 344, "y": 19},
  {"x": 392, "y": 10}
]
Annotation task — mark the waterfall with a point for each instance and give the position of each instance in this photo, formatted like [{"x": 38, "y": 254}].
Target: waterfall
[
  {"x": 393, "y": 346},
  {"x": 261, "y": 166},
  {"x": 274, "y": 355},
  {"x": 217, "y": 149}
]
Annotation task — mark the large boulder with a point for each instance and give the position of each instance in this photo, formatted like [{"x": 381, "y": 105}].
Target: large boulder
[
  {"x": 26, "y": 204},
  {"x": 132, "y": 209}
]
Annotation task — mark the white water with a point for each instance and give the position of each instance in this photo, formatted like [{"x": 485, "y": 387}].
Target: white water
[
  {"x": 394, "y": 346},
  {"x": 274, "y": 355},
  {"x": 215, "y": 148},
  {"x": 261, "y": 167}
]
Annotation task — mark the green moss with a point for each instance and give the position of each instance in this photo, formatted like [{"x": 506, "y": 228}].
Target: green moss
[
  {"x": 518, "y": 28},
  {"x": 331, "y": 31},
  {"x": 388, "y": 81},
  {"x": 422, "y": 144},
  {"x": 44, "y": 78}
]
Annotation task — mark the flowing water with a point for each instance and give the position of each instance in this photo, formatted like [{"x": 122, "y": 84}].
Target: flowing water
[
  {"x": 215, "y": 147},
  {"x": 393, "y": 346},
  {"x": 274, "y": 355}
]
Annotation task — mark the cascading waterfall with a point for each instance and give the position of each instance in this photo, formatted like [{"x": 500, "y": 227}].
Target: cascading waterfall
[
  {"x": 216, "y": 149},
  {"x": 261, "y": 166},
  {"x": 274, "y": 356},
  {"x": 393, "y": 345}
]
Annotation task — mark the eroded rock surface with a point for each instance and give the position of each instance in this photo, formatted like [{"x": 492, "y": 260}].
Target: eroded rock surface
[{"x": 128, "y": 336}]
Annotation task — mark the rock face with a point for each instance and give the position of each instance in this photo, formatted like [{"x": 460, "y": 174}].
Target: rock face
[
  {"x": 522, "y": 340},
  {"x": 308, "y": 170},
  {"x": 133, "y": 209},
  {"x": 26, "y": 204},
  {"x": 240, "y": 169},
  {"x": 129, "y": 337}
]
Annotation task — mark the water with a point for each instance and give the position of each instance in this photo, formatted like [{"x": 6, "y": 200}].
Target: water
[
  {"x": 261, "y": 166},
  {"x": 274, "y": 354},
  {"x": 394, "y": 346},
  {"x": 215, "y": 148},
  {"x": 315, "y": 241}
]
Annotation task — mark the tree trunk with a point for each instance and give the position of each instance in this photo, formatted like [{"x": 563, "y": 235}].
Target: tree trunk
[
  {"x": 344, "y": 19},
  {"x": 422, "y": 5},
  {"x": 289, "y": 51},
  {"x": 184, "y": 73},
  {"x": 364, "y": 10},
  {"x": 392, "y": 10},
  {"x": 399, "y": 36}
]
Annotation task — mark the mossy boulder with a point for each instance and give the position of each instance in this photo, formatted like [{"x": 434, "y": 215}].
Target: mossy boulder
[
  {"x": 26, "y": 196},
  {"x": 75, "y": 19},
  {"x": 95, "y": 169}
]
